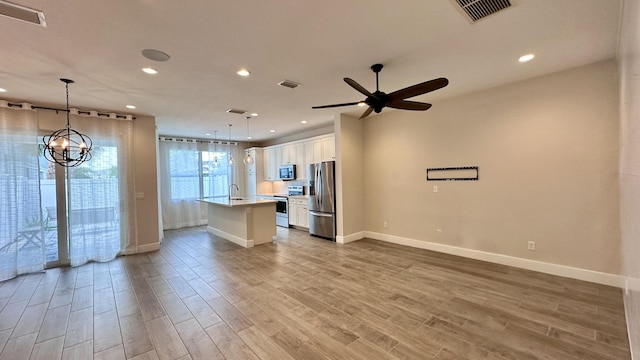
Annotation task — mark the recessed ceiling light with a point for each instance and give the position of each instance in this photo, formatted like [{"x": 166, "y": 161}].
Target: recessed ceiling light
[
  {"x": 525, "y": 58},
  {"x": 248, "y": 137},
  {"x": 149, "y": 70},
  {"x": 243, "y": 72},
  {"x": 272, "y": 131},
  {"x": 254, "y": 114},
  {"x": 208, "y": 134},
  {"x": 130, "y": 106},
  {"x": 3, "y": 90},
  {"x": 303, "y": 122},
  {"x": 362, "y": 103}
]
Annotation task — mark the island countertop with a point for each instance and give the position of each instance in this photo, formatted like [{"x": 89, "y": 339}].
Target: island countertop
[{"x": 233, "y": 203}]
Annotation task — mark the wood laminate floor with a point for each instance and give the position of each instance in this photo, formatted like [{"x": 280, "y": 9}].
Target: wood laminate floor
[{"x": 201, "y": 297}]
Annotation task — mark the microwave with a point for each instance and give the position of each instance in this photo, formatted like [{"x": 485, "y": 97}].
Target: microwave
[{"x": 287, "y": 172}]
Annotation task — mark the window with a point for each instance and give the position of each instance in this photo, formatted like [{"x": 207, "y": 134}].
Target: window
[
  {"x": 187, "y": 172},
  {"x": 215, "y": 179},
  {"x": 193, "y": 174}
]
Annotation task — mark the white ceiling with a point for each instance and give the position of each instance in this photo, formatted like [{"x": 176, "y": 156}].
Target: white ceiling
[{"x": 316, "y": 43}]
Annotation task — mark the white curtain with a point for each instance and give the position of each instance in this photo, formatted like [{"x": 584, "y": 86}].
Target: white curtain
[
  {"x": 21, "y": 224},
  {"x": 100, "y": 193},
  {"x": 187, "y": 173}
]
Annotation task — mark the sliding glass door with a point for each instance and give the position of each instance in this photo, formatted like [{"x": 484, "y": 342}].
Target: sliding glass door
[{"x": 81, "y": 208}]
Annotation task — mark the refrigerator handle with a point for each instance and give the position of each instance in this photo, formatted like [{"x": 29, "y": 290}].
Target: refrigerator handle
[
  {"x": 320, "y": 214},
  {"x": 318, "y": 180}
]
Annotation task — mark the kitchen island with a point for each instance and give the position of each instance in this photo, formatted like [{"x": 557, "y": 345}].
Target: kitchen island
[{"x": 246, "y": 222}]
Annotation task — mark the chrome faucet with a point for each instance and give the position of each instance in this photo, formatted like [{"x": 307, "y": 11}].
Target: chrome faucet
[{"x": 230, "y": 187}]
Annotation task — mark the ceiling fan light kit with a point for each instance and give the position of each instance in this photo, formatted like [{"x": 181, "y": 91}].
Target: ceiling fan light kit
[{"x": 397, "y": 99}]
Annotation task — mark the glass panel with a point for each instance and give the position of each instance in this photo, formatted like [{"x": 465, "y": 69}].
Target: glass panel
[
  {"x": 94, "y": 202},
  {"x": 21, "y": 234},
  {"x": 215, "y": 179},
  {"x": 184, "y": 174},
  {"x": 49, "y": 207}
]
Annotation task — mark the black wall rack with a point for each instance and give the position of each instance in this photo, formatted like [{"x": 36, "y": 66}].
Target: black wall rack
[{"x": 433, "y": 174}]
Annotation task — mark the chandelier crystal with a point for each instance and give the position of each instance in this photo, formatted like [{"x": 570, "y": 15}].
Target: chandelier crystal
[{"x": 67, "y": 147}]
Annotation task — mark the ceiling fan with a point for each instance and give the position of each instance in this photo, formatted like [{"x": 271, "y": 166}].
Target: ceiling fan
[{"x": 378, "y": 100}]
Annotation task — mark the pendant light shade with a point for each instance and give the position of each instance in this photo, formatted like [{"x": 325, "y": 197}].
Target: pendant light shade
[
  {"x": 215, "y": 163},
  {"x": 230, "y": 156},
  {"x": 67, "y": 147},
  {"x": 248, "y": 159}
]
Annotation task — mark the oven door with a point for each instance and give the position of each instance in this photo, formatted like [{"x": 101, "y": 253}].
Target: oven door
[
  {"x": 282, "y": 212},
  {"x": 281, "y": 207}
]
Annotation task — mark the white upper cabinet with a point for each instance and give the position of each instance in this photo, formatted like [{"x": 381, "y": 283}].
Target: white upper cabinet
[
  {"x": 269, "y": 161},
  {"x": 253, "y": 172},
  {"x": 320, "y": 149},
  {"x": 257, "y": 165},
  {"x": 313, "y": 151},
  {"x": 328, "y": 148},
  {"x": 297, "y": 150},
  {"x": 288, "y": 155},
  {"x": 299, "y": 153}
]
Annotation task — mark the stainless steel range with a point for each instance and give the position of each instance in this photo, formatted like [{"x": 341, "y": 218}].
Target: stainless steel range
[{"x": 282, "y": 211}]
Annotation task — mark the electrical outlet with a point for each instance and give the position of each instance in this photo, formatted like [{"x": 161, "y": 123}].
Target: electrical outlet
[
  {"x": 435, "y": 188},
  {"x": 531, "y": 245},
  {"x": 385, "y": 224}
]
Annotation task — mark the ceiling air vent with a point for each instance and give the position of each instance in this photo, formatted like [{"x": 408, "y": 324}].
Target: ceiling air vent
[
  {"x": 236, "y": 111},
  {"x": 288, "y": 83},
  {"x": 478, "y": 9},
  {"x": 22, "y": 13}
]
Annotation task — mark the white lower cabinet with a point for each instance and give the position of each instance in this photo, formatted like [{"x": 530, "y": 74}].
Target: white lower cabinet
[{"x": 298, "y": 211}]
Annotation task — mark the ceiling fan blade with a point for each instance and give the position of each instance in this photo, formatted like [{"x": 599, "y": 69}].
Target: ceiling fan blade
[
  {"x": 359, "y": 87},
  {"x": 335, "y": 105},
  {"x": 408, "y": 105},
  {"x": 419, "y": 89},
  {"x": 366, "y": 113}
]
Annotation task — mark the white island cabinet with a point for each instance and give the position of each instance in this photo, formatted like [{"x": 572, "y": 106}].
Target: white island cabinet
[{"x": 246, "y": 222}]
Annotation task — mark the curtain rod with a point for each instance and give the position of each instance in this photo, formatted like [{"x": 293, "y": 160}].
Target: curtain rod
[
  {"x": 80, "y": 112},
  {"x": 179, "y": 139}
]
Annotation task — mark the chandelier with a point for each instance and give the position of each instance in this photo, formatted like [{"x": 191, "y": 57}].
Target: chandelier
[{"x": 66, "y": 146}]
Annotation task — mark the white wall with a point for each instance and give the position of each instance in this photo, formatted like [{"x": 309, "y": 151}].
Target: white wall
[
  {"x": 547, "y": 151},
  {"x": 629, "y": 52}
]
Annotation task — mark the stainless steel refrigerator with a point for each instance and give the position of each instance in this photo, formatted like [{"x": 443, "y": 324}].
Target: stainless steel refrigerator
[{"x": 322, "y": 199}]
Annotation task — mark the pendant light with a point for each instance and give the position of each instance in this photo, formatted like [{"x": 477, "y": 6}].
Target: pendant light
[
  {"x": 216, "y": 163},
  {"x": 230, "y": 156},
  {"x": 66, "y": 146},
  {"x": 248, "y": 159}
]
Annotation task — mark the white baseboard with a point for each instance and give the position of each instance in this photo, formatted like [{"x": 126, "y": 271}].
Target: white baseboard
[
  {"x": 543, "y": 267},
  {"x": 234, "y": 239},
  {"x": 350, "y": 238}
]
